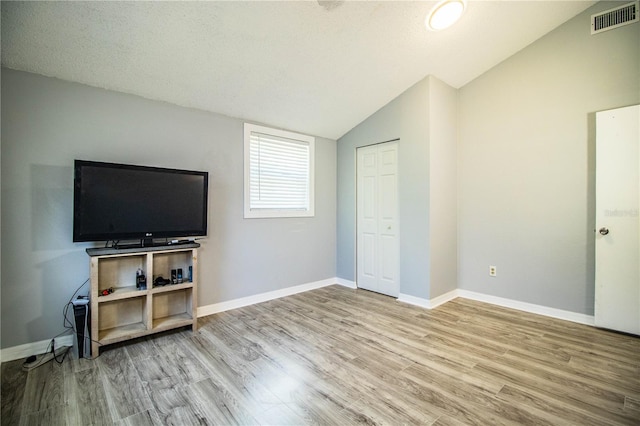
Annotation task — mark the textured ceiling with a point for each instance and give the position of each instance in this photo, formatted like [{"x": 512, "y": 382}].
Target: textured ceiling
[{"x": 317, "y": 67}]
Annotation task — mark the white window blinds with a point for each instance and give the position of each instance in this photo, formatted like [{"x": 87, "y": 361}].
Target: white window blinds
[{"x": 279, "y": 173}]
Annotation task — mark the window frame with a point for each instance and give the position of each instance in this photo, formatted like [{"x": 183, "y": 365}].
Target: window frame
[{"x": 260, "y": 213}]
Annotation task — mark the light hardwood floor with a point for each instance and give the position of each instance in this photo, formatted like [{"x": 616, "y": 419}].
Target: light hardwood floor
[{"x": 339, "y": 356}]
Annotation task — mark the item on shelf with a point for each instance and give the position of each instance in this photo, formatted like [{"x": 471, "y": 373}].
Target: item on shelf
[
  {"x": 161, "y": 281},
  {"x": 141, "y": 280},
  {"x": 174, "y": 276},
  {"x": 179, "y": 276},
  {"x": 106, "y": 291}
]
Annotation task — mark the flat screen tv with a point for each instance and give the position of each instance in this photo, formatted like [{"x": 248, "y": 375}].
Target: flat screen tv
[{"x": 113, "y": 202}]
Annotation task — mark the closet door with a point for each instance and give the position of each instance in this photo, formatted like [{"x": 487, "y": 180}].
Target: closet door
[{"x": 377, "y": 218}]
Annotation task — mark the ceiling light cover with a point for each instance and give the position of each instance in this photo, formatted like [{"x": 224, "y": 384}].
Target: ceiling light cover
[{"x": 445, "y": 14}]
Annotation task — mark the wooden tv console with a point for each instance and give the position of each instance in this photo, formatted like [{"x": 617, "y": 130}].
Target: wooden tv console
[{"x": 128, "y": 312}]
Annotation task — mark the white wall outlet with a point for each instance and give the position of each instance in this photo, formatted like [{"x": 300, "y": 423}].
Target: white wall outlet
[{"x": 493, "y": 271}]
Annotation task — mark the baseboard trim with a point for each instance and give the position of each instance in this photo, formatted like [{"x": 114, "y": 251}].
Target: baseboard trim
[
  {"x": 413, "y": 300},
  {"x": 28, "y": 349},
  {"x": 34, "y": 348},
  {"x": 346, "y": 283},
  {"x": 428, "y": 303},
  {"x": 529, "y": 307},
  {"x": 262, "y": 297},
  {"x": 23, "y": 351},
  {"x": 499, "y": 301}
]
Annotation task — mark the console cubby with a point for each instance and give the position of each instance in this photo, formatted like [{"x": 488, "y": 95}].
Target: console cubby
[
  {"x": 172, "y": 308},
  {"x": 129, "y": 312},
  {"x": 122, "y": 319},
  {"x": 120, "y": 271},
  {"x": 163, "y": 263}
]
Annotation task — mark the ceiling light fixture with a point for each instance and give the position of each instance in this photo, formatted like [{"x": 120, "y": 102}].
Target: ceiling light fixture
[{"x": 445, "y": 14}]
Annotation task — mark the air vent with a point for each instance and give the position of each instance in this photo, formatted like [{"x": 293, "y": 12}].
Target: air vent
[{"x": 614, "y": 18}]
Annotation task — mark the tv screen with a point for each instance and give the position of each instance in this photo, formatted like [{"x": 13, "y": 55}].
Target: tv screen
[{"x": 120, "y": 201}]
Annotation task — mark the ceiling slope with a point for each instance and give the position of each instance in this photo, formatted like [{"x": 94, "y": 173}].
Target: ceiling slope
[{"x": 317, "y": 67}]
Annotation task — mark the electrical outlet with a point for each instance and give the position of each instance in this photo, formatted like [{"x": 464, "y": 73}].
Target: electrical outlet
[{"x": 493, "y": 271}]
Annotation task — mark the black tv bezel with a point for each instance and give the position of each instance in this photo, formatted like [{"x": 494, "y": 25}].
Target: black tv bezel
[{"x": 146, "y": 235}]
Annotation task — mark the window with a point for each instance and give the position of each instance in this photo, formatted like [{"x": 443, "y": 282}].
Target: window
[{"x": 278, "y": 173}]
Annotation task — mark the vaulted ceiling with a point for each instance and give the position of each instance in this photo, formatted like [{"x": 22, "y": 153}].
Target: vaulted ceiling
[{"x": 317, "y": 67}]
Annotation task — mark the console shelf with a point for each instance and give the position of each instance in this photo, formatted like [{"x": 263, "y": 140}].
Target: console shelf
[
  {"x": 122, "y": 293},
  {"x": 173, "y": 321},
  {"x": 123, "y": 332},
  {"x": 128, "y": 312}
]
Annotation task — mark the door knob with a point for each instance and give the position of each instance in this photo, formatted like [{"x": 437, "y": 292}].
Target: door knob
[{"x": 603, "y": 231}]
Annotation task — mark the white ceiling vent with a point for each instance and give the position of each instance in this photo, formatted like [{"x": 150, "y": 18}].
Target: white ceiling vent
[{"x": 614, "y": 18}]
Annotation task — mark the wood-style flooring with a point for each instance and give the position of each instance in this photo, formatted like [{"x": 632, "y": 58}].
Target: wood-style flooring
[{"x": 339, "y": 356}]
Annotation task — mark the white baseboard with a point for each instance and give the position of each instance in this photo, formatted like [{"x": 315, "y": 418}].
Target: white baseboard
[
  {"x": 413, "y": 300},
  {"x": 428, "y": 303},
  {"x": 405, "y": 298},
  {"x": 23, "y": 351},
  {"x": 262, "y": 297},
  {"x": 346, "y": 283},
  {"x": 35, "y": 348},
  {"x": 500, "y": 301},
  {"x": 28, "y": 349},
  {"x": 529, "y": 307}
]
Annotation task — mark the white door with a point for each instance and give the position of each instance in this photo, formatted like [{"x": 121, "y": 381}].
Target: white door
[
  {"x": 377, "y": 218},
  {"x": 617, "y": 297}
]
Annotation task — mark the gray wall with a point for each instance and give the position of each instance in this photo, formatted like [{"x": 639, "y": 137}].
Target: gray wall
[
  {"x": 526, "y": 162},
  {"x": 408, "y": 117},
  {"x": 443, "y": 187},
  {"x": 47, "y": 123}
]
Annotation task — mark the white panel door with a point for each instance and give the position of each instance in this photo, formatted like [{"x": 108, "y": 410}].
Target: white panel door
[
  {"x": 617, "y": 295},
  {"x": 377, "y": 218}
]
